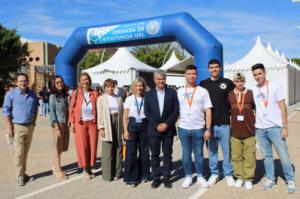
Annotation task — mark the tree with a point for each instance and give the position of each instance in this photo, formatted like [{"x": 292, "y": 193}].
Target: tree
[
  {"x": 12, "y": 53},
  {"x": 297, "y": 60},
  {"x": 155, "y": 55},
  {"x": 93, "y": 58}
]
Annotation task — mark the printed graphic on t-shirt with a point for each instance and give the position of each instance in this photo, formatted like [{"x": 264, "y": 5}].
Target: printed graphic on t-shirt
[
  {"x": 261, "y": 96},
  {"x": 223, "y": 86},
  {"x": 190, "y": 94}
]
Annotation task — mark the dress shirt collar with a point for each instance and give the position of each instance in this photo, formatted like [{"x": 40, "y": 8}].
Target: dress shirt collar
[
  {"x": 160, "y": 91},
  {"x": 18, "y": 90}
]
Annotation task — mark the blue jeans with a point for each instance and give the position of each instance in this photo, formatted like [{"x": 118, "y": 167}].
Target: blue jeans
[
  {"x": 267, "y": 138},
  {"x": 45, "y": 107},
  {"x": 40, "y": 106},
  {"x": 220, "y": 134},
  {"x": 192, "y": 140}
]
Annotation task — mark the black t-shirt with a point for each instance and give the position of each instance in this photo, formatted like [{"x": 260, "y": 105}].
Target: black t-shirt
[
  {"x": 44, "y": 96},
  {"x": 218, "y": 91}
]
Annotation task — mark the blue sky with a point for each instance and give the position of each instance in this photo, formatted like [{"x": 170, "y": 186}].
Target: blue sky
[{"x": 235, "y": 23}]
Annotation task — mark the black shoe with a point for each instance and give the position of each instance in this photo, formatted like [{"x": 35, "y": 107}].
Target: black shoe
[
  {"x": 167, "y": 183},
  {"x": 146, "y": 179},
  {"x": 155, "y": 183},
  {"x": 27, "y": 178}
]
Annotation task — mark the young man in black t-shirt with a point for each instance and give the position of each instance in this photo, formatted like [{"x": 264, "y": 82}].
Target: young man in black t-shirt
[{"x": 219, "y": 89}]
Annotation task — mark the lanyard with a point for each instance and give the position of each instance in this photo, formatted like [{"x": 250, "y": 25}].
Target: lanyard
[
  {"x": 266, "y": 101},
  {"x": 139, "y": 108},
  {"x": 86, "y": 102},
  {"x": 240, "y": 102},
  {"x": 190, "y": 101}
]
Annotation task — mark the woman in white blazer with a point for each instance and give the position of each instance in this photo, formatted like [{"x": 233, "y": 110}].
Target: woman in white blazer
[{"x": 110, "y": 112}]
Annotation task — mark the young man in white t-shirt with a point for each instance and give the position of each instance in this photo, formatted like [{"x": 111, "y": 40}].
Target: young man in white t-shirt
[
  {"x": 271, "y": 127},
  {"x": 194, "y": 125}
]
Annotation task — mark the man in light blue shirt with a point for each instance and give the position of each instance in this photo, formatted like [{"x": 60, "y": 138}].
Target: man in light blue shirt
[
  {"x": 161, "y": 99},
  {"x": 20, "y": 111}
]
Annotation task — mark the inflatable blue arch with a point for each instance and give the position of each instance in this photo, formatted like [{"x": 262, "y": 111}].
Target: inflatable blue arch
[{"x": 180, "y": 27}]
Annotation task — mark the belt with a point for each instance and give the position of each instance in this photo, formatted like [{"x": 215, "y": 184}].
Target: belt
[
  {"x": 24, "y": 124},
  {"x": 114, "y": 114},
  {"x": 133, "y": 119}
]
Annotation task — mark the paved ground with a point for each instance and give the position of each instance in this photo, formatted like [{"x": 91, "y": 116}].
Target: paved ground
[{"x": 45, "y": 185}]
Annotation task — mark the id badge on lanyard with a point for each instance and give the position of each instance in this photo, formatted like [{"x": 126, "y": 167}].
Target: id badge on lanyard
[
  {"x": 265, "y": 100},
  {"x": 240, "y": 116},
  {"x": 190, "y": 100},
  {"x": 87, "y": 108},
  {"x": 139, "y": 119}
]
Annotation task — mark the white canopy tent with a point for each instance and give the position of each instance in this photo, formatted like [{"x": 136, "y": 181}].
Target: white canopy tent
[
  {"x": 278, "y": 69},
  {"x": 123, "y": 67},
  {"x": 173, "y": 60},
  {"x": 175, "y": 69}
]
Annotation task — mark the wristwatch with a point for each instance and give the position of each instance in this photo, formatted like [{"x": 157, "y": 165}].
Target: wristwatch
[
  {"x": 208, "y": 129},
  {"x": 285, "y": 126}
]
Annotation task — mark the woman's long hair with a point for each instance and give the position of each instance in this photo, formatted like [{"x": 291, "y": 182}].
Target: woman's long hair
[
  {"x": 134, "y": 83},
  {"x": 54, "y": 91},
  {"x": 88, "y": 76}
]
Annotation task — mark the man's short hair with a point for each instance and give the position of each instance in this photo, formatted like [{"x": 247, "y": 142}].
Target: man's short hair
[
  {"x": 22, "y": 74},
  {"x": 213, "y": 61},
  {"x": 239, "y": 76},
  {"x": 258, "y": 66},
  {"x": 191, "y": 67},
  {"x": 160, "y": 72}
]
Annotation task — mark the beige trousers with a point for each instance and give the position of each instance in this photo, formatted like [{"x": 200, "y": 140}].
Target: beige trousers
[{"x": 22, "y": 142}]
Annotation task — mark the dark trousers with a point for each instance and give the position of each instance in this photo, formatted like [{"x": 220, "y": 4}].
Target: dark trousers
[
  {"x": 137, "y": 167},
  {"x": 167, "y": 148}
]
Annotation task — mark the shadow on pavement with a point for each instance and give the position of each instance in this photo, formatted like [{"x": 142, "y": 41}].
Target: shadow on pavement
[
  {"x": 70, "y": 169},
  {"x": 260, "y": 170}
]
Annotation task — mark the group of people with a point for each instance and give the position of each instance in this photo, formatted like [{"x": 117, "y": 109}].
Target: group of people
[
  {"x": 43, "y": 99},
  {"x": 218, "y": 111}
]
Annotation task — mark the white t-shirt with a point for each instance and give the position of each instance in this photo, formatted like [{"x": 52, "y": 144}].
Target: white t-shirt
[
  {"x": 87, "y": 108},
  {"x": 192, "y": 118},
  {"x": 133, "y": 107},
  {"x": 269, "y": 116},
  {"x": 113, "y": 104}
]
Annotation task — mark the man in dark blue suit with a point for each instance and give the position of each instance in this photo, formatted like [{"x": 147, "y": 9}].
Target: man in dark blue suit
[{"x": 162, "y": 111}]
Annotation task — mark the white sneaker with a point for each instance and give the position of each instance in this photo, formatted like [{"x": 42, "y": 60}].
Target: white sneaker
[
  {"x": 213, "y": 179},
  {"x": 201, "y": 181},
  {"x": 248, "y": 185},
  {"x": 230, "y": 181},
  {"x": 291, "y": 187},
  {"x": 238, "y": 183},
  {"x": 187, "y": 182}
]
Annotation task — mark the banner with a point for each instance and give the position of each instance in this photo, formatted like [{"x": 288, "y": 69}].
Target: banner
[{"x": 125, "y": 32}]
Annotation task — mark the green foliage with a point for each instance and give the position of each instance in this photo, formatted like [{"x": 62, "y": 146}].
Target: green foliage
[
  {"x": 92, "y": 59},
  {"x": 297, "y": 60},
  {"x": 154, "y": 55},
  {"x": 12, "y": 53}
]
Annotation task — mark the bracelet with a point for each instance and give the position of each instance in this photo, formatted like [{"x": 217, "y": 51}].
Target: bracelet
[{"x": 285, "y": 126}]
